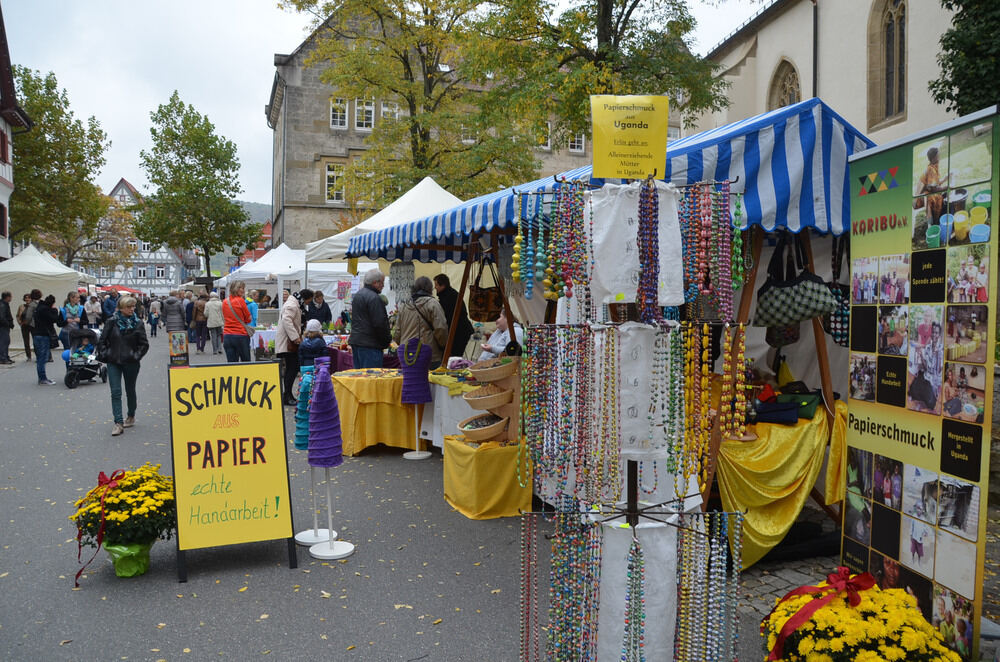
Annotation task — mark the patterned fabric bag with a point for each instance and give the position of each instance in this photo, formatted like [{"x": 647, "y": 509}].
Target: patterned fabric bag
[
  {"x": 838, "y": 322},
  {"x": 485, "y": 303},
  {"x": 781, "y": 301}
]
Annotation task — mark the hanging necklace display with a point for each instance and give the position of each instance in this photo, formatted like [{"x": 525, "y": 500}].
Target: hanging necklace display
[
  {"x": 607, "y": 457},
  {"x": 635, "y": 604},
  {"x": 574, "y": 587},
  {"x": 705, "y": 418},
  {"x": 647, "y": 294},
  {"x": 529, "y": 617}
]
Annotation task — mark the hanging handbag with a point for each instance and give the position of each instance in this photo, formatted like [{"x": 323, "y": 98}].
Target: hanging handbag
[
  {"x": 780, "y": 335},
  {"x": 485, "y": 303},
  {"x": 782, "y": 301},
  {"x": 838, "y": 322}
]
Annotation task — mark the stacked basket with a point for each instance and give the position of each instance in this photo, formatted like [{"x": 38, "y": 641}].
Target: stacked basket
[{"x": 498, "y": 397}]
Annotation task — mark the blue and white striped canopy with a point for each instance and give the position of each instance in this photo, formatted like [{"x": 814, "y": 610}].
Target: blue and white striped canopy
[{"x": 790, "y": 164}]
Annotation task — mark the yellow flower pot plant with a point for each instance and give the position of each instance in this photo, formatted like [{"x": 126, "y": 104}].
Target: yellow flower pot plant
[
  {"x": 126, "y": 513},
  {"x": 848, "y": 618}
]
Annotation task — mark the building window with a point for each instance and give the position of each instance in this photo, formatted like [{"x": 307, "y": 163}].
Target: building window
[
  {"x": 133, "y": 244},
  {"x": 4, "y": 147},
  {"x": 545, "y": 142},
  {"x": 390, "y": 111},
  {"x": 338, "y": 113},
  {"x": 578, "y": 143},
  {"x": 3, "y": 221},
  {"x": 468, "y": 135},
  {"x": 364, "y": 114},
  {"x": 104, "y": 272},
  {"x": 673, "y": 133},
  {"x": 784, "y": 87},
  {"x": 334, "y": 182},
  {"x": 160, "y": 271},
  {"x": 887, "y": 61},
  {"x": 146, "y": 246},
  {"x": 140, "y": 272}
]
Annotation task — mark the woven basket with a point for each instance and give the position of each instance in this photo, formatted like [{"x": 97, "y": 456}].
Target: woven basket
[
  {"x": 482, "y": 434},
  {"x": 488, "y": 401},
  {"x": 497, "y": 372}
]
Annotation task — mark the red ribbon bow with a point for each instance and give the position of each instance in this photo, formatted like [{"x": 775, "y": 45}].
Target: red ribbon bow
[
  {"x": 108, "y": 484},
  {"x": 839, "y": 582}
]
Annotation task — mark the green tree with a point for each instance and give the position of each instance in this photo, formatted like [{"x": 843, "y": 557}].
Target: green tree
[
  {"x": 415, "y": 56},
  {"x": 969, "y": 57},
  {"x": 195, "y": 173},
  {"x": 549, "y": 58},
  {"x": 56, "y": 164}
]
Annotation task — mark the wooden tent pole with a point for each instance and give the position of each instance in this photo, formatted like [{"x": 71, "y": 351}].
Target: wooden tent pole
[
  {"x": 495, "y": 251},
  {"x": 820, "y": 336},
  {"x": 453, "y": 327}
]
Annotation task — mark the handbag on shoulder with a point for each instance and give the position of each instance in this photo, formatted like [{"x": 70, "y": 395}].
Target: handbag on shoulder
[
  {"x": 485, "y": 303},
  {"x": 838, "y": 322}
]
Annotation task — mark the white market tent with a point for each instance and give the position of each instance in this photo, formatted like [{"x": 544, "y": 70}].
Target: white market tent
[
  {"x": 424, "y": 199},
  {"x": 31, "y": 269}
]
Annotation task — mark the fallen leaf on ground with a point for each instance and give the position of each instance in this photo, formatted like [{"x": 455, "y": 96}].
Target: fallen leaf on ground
[{"x": 243, "y": 589}]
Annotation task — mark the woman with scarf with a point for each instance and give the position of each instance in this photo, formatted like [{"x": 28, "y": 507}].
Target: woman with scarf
[
  {"x": 72, "y": 313},
  {"x": 423, "y": 317},
  {"x": 122, "y": 346}
]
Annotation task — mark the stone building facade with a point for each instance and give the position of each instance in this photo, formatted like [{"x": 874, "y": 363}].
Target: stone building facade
[
  {"x": 316, "y": 134},
  {"x": 869, "y": 60}
]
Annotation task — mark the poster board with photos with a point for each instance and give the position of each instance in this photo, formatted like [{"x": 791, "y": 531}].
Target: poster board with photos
[{"x": 923, "y": 295}]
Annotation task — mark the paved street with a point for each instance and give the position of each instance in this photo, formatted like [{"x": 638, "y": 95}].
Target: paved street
[{"x": 424, "y": 584}]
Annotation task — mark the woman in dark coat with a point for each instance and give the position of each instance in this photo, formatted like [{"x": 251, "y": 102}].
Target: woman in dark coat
[
  {"x": 44, "y": 330},
  {"x": 122, "y": 345}
]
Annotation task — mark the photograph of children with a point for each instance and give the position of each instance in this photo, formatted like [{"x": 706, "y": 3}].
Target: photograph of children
[
  {"x": 892, "y": 336},
  {"x": 864, "y": 280},
  {"x": 930, "y": 185},
  {"x": 889, "y": 574},
  {"x": 858, "y": 518},
  {"x": 966, "y": 333},
  {"x": 963, "y": 392},
  {"x": 885, "y": 571},
  {"x": 958, "y": 507},
  {"x": 894, "y": 278},
  {"x": 925, "y": 369},
  {"x": 967, "y": 274},
  {"x": 859, "y": 471},
  {"x": 888, "y": 482},
  {"x": 916, "y": 546},
  {"x": 953, "y": 619},
  {"x": 920, "y": 493},
  {"x": 955, "y": 564},
  {"x": 863, "y": 377}
]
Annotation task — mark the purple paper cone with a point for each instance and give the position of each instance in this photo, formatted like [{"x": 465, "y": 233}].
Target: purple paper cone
[{"x": 325, "y": 442}]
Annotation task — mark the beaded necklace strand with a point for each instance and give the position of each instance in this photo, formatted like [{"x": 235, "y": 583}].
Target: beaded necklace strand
[
  {"x": 647, "y": 294},
  {"x": 635, "y": 604}
]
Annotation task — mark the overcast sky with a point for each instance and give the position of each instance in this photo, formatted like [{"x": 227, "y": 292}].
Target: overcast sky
[{"x": 120, "y": 59}]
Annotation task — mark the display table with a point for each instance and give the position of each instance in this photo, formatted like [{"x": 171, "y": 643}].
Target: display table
[
  {"x": 482, "y": 483},
  {"x": 442, "y": 416},
  {"x": 342, "y": 359},
  {"x": 771, "y": 477},
  {"x": 370, "y": 410},
  {"x": 266, "y": 336}
]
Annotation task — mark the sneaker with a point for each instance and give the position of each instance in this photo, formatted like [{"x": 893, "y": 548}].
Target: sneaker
[
  {"x": 117, "y": 429},
  {"x": 46, "y": 382},
  {"x": 129, "y": 422}
]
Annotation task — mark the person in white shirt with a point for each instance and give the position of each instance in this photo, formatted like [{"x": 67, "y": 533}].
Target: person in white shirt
[{"x": 500, "y": 338}]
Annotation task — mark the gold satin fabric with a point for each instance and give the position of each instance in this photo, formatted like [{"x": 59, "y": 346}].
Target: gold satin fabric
[
  {"x": 770, "y": 478},
  {"x": 455, "y": 387},
  {"x": 481, "y": 483},
  {"x": 370, "y": 412}
]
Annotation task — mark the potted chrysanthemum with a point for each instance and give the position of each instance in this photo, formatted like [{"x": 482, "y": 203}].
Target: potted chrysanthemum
[
  {"x": 850, "y": 619},
  {"x": 126, "y": 513}
]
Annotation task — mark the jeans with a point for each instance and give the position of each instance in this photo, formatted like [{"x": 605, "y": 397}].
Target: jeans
[
  {"x": 290, "y": 361},
  {"x": 4, "y": 344},
  {"x": 367, "y": 357},
  {"x": 201, "y": 333},
  {"x": 154, "y": 321},
  {"x": 237, "y": 347},
  {"x": 130, "y": 371},
  {"x": 216, "y": 333},
  {"x": 190, "y": 330},
  {"x": 42, "y": 345}
]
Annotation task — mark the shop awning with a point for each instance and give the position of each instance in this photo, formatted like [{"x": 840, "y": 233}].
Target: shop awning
[{"x": 790, "y": 164}]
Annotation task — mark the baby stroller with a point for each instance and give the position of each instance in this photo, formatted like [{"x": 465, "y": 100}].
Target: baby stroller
[{"x": 82, "y": 363}]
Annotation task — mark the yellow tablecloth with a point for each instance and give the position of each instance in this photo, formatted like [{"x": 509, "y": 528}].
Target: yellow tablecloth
[
  {"x": 482, "y": 483},
  {"x": 370, "y": 411},
  {"x": 770, "y": 478}
]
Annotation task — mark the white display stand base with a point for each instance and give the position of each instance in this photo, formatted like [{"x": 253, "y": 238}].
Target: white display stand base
[
  {"x": 330, "y": 550},
  {"x": 311, "y": 537},
  {"x": 416, "y": 455}
]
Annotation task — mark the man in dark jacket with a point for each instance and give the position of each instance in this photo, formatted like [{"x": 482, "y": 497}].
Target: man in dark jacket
[
  {"x": 46, "y": 317},
  {"x": 318, "y": 310},
  {"x": 369, "y": 322},
  {"x": 110, "y": 304},
  {"x": 6, "y": 324},
  {"x": 449, "y": 300}
]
